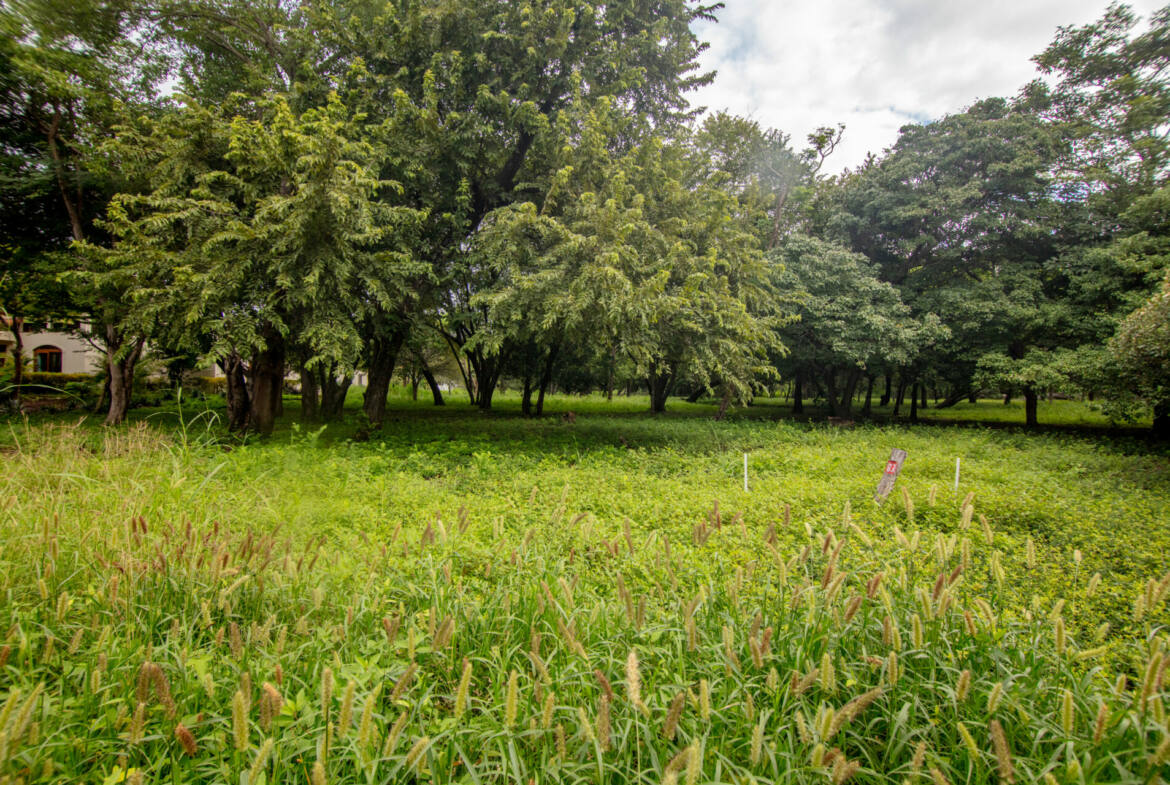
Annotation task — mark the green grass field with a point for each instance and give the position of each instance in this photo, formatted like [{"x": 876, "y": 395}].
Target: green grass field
[{"x": 480, "y": 598}]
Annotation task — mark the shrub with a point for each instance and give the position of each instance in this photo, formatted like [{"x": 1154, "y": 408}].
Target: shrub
[{"x": 58, "y": 380}]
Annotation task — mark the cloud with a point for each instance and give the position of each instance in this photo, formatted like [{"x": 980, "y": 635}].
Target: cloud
[{"x": 875, "y": 65}]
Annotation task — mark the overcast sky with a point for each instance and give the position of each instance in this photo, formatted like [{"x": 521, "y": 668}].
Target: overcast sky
[{"x": 876, "y": 65}]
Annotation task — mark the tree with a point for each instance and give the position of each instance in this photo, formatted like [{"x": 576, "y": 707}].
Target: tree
[
  {"x": 1111, "y": 100},
  {"x": 1141, "y": 353},
  {"x": 278, "y": 247},
  {"x": 628, "y": 251},
  {"x": 960, "y": 217},
  {"x": 849, "y": 320},
  {"x": 71, "y": 74}
]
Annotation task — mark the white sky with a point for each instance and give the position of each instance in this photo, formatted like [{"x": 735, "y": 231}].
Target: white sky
[{"x": 876, "y": 65}]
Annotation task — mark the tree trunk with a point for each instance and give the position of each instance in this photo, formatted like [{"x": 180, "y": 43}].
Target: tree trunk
[
  {"x": 778, "y": 211},
  {"x": 72, "y": 201},
  {"x": 724, "y": 402},
  {"x": 526, "y": 397},
  {"x": 609, "y": 374},
  {"x": 267, "y": 382},
  {"x": 310, "y": 396},
  {"x": 972, "y": 397},
  {"x": 546, "y": 376},
  {"x": 885, "y": 401},
  {"x": 830, "y": 382},
  {"x": 1030, "y": 400},
  {"x": 867, "y": 409},
  {"x": 914, "y": 403},
  {"x": 1161, "y": 426},
  {"x": 383, "y": 357},
  {"x": 924, "y": 404},
  {"x": 436, "y": 393},
  {"x": 334, "y": 388},
  {"x": 236, "y": 392},
  {"x": 120, "y": 361},
  {"x": 900, "y": 395},
  {"x": 659, "y": 385},
  {"x": 798, "y": 393},
  {"x": 954, "y": 398},
  {"x": 16, "y": 327},
  {"x": 843, "y": 406},
  {"x": 486, "y": 379}
]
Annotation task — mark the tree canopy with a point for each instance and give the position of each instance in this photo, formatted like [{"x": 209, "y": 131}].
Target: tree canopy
[{"x": 314, "y": 189}]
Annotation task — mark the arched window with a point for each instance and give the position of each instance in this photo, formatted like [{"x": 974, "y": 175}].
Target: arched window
[{"x": 47, "y": 359}]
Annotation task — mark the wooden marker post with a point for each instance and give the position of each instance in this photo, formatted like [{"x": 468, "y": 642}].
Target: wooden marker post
[{"x": 890, "y": 476}]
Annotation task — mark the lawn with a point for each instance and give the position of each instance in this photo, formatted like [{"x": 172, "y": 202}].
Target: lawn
[{"x": 469, "y": 597}]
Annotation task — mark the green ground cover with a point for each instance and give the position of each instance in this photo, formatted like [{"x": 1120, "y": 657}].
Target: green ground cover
[{"x": 459, "y": 598}]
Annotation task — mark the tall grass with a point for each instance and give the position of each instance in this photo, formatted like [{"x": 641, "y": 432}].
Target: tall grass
[{"x": 159, "y": 626}]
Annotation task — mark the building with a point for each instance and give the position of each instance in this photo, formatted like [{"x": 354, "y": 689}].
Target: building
[{"x": 53, "y": 352}]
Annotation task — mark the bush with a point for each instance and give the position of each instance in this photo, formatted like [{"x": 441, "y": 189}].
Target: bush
[{"x": 57, "y": 380}]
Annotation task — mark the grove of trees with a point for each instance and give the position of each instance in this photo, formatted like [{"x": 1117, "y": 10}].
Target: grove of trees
[{"x": 522, "y": 188}]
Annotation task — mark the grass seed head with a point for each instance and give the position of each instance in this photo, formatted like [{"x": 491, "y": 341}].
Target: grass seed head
[
  {"x": 512, "y": 700},
  {"x": 634, "y": 681},
  {"x": 366, "y": 725},
  {"x": 186, "y": 740},
  {"x": 673, "y": 715},
  {"x": 969, "y": 742},
  {"x": 694, "y": 764},
  {"x": 261, "y": 760},
  {"x": 994, "y": 697},
  {"x": 963, "y": 686},
  {"x": 843, "y": 769},
  {"x": 546, "y": 710},
  {"x": 602, "y": 726},
  {"x": 1100, "y": 722},
  {"x": 461, "y": 694},
  {"x": 1003, "y": 755},
  {"x": 414, "y": 757},
  {"x": 137, "y": 723},
  {"x": 828, "y": 674},
  {"x": 403, "y": 683},
  {"x": 393, "y": 736},
  {"x": 919, "y": 759},
  {"x": 345, "y": 716},
  {"x": 326, "y": 693},
  {"x": 239, "y": 721},
  {"x": 757, "y": 745}
]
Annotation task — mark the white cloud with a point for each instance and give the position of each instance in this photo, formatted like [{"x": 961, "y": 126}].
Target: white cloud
[{"x": 876, "y": 65}]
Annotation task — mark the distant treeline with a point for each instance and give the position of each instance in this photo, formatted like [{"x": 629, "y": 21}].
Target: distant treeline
[{"x": 522, "y": 191}]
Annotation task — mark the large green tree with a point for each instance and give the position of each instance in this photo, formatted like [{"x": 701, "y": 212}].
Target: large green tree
[
  {"x": 959, "y": 216},
  {"x": 274, "y": 238},
  {"x": 72, "y": 72},
  {"x": 850, "y": 322}
]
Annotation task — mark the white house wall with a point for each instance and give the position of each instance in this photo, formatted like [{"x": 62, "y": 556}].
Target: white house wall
[{"x": 77, "y": 356}]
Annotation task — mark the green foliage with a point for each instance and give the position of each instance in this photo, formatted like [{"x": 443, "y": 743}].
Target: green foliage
[
  {"x": 850, "y": 321},
  {"x": 1141, "y": 352},
  {"x": 625, "y": 251},
  {"x": 58, "y": 379},
  {"x": 1112, "y": 99},
  {"x": 155, "y": 585}
]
